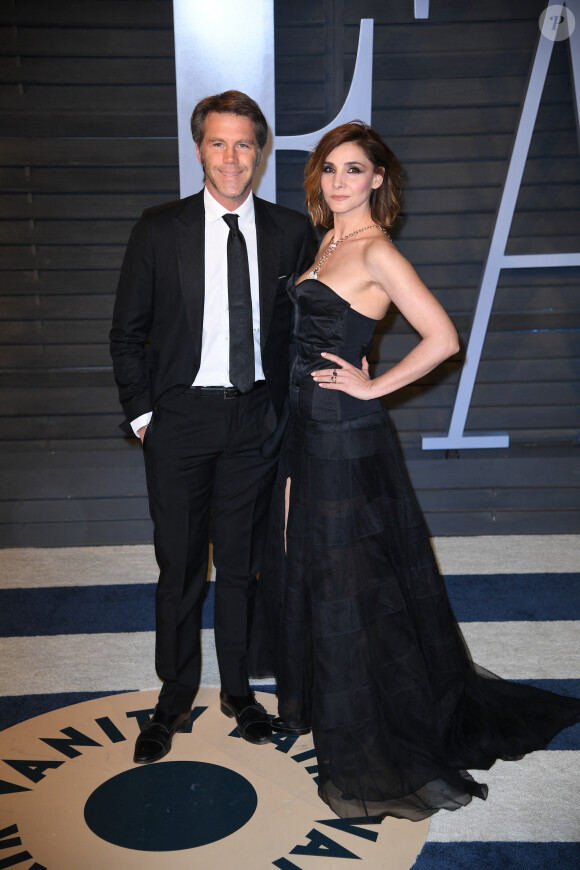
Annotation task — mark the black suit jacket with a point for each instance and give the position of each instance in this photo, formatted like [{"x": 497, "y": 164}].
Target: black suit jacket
[{"x": 158, "y": 316}]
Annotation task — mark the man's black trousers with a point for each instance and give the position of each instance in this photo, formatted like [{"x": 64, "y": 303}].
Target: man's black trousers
[{"x": 202, "y": 454}]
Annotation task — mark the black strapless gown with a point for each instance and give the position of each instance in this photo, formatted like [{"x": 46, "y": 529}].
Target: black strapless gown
[{"x": 354, "y": 620}]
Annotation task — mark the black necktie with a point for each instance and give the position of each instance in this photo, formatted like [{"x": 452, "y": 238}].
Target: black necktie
[{"x": 242, "y": 372}]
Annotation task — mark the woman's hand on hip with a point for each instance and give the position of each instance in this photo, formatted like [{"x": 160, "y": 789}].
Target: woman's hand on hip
[{"x": 346, "y": 377}]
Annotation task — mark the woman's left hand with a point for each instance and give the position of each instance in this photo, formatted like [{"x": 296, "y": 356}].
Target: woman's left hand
[{"x": 345, "y": 377}]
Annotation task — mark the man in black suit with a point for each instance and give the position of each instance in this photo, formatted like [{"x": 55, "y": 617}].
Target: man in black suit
[{"x": 200, "y": 347}]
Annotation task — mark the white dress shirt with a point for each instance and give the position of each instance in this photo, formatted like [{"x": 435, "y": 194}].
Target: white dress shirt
[{"x": 214, "y": 365}]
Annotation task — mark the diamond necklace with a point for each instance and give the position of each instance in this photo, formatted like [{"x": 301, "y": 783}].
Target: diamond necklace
[{"x": 313, "y": 274}]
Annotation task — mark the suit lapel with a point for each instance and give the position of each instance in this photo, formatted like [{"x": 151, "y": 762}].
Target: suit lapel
[
  {"x": 189, "y": 227},
  {"x": 269, "y": 244}
]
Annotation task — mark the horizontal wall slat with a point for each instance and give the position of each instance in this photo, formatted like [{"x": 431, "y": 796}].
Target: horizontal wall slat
[
  {"x": 61, "y": 256},
  {"x": 456, "y": 65},
  {"x": 76, "y": 534},
  {"x": 47, "y": 232},
  {"x": 94, "y": 42},
  {"x": 16, "y": 357},
  {"x": 504, "y": 523},
  {"x": 63, "y": 123},
  {"x": 80, "y": 205},
  {"x": 102, "y": 179},
  {"x": 47, "y": 428},
  {"x": 502, "y": 499},
  {"x": 34, "y": 70},
  {"x": 101, "y": 151},
  {"x": 74, "y": 510},
  {"x": 55, "y": 307},
  {"x": 149, "y": 13},
  {"x": 55, "y": 401},
  {"x": 73, "y": 281}
]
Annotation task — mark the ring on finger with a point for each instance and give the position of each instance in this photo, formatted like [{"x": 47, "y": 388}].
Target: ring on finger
[{"x": 334, "y": 376}]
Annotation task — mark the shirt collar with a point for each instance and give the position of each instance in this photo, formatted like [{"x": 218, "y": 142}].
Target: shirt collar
[{"x": 214, "y": 211}]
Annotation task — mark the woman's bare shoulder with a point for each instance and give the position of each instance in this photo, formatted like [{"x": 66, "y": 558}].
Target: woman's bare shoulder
[
  {"x": 391, "y": 270},
  {"x": 382, "y": 253}
]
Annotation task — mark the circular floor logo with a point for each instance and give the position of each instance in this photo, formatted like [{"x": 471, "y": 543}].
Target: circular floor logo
[{"x": 70, "y": 797}]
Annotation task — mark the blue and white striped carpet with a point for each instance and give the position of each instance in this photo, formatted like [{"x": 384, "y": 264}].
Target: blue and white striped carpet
[{"x": 78, "y": 623}]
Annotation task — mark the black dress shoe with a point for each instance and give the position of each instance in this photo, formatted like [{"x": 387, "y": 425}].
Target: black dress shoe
[
  {"x": 283, "y": 727},
  {"x": 155, "y": 738},
  {"x": 251, "y": 717}
]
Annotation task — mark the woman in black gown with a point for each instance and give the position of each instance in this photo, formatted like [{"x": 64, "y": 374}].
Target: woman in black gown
[{"x": 353, "y": 617}]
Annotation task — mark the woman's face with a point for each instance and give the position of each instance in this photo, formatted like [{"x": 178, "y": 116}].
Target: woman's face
[{"x": 347, "y": 179}]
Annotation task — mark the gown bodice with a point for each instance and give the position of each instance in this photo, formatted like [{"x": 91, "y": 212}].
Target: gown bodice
[{"x": 325, "y": 322}]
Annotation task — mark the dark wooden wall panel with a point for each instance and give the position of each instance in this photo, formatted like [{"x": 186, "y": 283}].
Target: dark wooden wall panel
[{"x": 88, "y": 139}]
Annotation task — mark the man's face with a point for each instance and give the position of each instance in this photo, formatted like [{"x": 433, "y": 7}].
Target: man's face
[{"x": 229, "y": 156}]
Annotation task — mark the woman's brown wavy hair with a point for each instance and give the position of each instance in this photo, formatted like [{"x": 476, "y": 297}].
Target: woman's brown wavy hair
[{"x": 385, "y": 201}]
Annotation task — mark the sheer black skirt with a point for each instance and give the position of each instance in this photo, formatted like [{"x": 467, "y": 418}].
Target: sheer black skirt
[{"x": 355, "y": 624}]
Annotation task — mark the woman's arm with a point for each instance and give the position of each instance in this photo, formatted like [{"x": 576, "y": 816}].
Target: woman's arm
[{"x": 388, "y": 269}]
